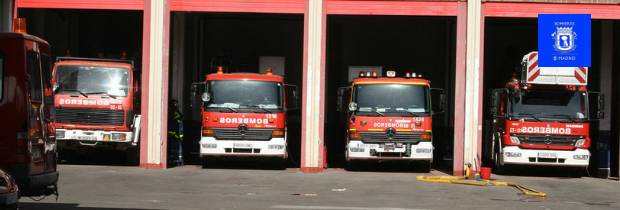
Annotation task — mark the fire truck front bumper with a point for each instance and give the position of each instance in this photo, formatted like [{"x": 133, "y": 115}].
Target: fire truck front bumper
[
  {"x": 276, "y": 147},
  {"x": 92, "y": 137},
  {"x": 390, "y": 151},
  {"x": 518, "y": 156}
]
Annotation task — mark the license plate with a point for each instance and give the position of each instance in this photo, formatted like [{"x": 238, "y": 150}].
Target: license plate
[
  {"x": 242, "y": 145},
  {"x": 547, "y": 155},
  {"x": 11, "y": 198},
  {"x": 87, "y": 138}
]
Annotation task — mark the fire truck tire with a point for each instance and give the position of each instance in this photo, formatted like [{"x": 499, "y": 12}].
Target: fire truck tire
[
  {"x": 499, "y": 169},
  {"x": 351, "y": 165},
  {"x": 132, "y": 156},
  {"x": 278, "y": 163},
  {"x": 426, "y": 166},
  {"x": 575, "y": 172},
  {"x": 208, "y": 162}
]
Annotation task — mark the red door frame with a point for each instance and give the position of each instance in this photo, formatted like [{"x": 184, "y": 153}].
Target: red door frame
[
  {"x": 531, "y": 10},
  {"x": 82, "y": 4}
]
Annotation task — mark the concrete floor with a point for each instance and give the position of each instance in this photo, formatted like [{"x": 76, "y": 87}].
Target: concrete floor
[{"x": 191, "y": 187}]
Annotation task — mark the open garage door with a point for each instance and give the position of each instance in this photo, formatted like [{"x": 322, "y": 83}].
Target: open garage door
[
  {"x": 246, "y": 43},
  {"x": 98, "y": 34},
  {"x": 511, "y": 32}
]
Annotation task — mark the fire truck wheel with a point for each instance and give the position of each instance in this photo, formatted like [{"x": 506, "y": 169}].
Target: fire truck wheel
[
  {"x": 132, "y": 157},
  {"x": 499, "y": 169},
  {"x": 575, "y": 172},
  {"x": 208, "y": 162},
  {"x": 351, "y": 165},
  {"x": 426, "y": 166},
  {"x": 278, "y": 163}
]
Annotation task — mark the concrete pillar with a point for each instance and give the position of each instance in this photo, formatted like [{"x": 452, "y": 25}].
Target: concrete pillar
[
  {"x": 154, "y": 84},
  {"x": 472, "y": 86},
  {"x": 313, "y": 95},
  {"x": 459, "y": 89},
  {"x": 606, "y": 82}
]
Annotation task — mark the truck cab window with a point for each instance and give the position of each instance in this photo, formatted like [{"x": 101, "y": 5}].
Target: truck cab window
[
  {"x": 34, "y": 69},
  {"x": 1, "y": 75}
]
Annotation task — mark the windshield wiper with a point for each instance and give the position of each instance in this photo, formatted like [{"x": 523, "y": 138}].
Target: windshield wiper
[
  {"x": 378, "y": 112},
  {"x": 531, "y": 115},
  {"x": 253, "y": 105},
  {"x": 111, "y": 96},
  {"x": 75, "y": 90},
  {"x": 410, "y": 112},
  {"x": 565, "y": 116},
  {"x": 231, "y": 109}
]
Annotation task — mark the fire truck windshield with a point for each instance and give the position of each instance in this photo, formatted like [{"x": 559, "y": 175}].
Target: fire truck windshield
[
  {"x": 391, "y": 98},
  {"x": 244, "y": 94},
  {"x": 87, "y": 80},
  {"x": 550, "y": 104}
]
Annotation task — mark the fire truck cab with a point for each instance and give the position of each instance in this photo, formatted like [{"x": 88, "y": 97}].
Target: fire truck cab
[
  {"x": 541, "y": 117},
  {"x": 97, "y": 106},
  {"x": 244, "y": 115},
  {"x": 389, "y": 118}
]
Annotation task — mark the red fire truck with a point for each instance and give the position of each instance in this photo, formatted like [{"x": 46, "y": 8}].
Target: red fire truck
[
  {"x": 97, "y": 106},
  {"x": 389, "y": 118},
  {"x": 27, "y": 142},
  {"x": 542, "y": 118},
  {"x": 245, "y": 115}
]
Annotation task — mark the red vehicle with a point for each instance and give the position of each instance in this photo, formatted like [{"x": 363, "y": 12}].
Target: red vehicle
[
  {"x": 245, "y": 115},
  {"x": 27, "y": 141},
  {"x": 9, "y": 192},
  {"x": 542, "y": 118},
  {"x": 389, "y": 118},
  {"x": 97, "y": 106}
]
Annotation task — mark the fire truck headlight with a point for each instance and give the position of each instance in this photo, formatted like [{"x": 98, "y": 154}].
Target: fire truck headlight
[
  {"x": 515, "y": 140},
  {"x": 275, "y": 146},
  {"x": 209, "y": 146},
  {"x": 352, "y": 106},
  {"x": 580, "y": 157},
  {"x": 512, "y": 154},
  {"x": 580, "y": 142},
  {"x": 60, "y": 134},
  {"x": 118, "y": 136},
  {"x": 357, "y": 149},
  {"x": 206, "y": 97},
  {"x": 423, "y": 150}
]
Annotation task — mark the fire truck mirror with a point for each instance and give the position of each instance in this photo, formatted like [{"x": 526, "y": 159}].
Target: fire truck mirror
[
  {"x": 291, "y": 97},
  {"x": 195, "y": 90},
  {"x": 601, "y": 114},
  {"x": 340, "y": 100},
  {"x": 601, "y": 101},
  {"x": 438, "y": 98}
]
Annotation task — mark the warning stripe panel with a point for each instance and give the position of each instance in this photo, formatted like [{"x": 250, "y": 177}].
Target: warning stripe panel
[{"x": 579, "y": 77}]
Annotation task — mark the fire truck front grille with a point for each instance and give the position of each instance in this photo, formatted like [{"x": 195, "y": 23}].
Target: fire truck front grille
[
  {"x": 555, "y": 140},
  {"x": 382, "y": 137},
  {"x": 234, "y": 134},
  {"x": 85, "y": 116}
]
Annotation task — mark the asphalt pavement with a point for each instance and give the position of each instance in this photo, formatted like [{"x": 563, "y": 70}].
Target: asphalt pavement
[{"x": 191, "y": 187}]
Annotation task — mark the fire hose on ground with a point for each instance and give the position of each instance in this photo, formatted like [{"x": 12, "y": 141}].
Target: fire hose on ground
[{"x": 481, "y": 182}]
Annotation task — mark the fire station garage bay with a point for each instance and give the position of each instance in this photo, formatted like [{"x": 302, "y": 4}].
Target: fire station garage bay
[{"x": 464, "y": 48}]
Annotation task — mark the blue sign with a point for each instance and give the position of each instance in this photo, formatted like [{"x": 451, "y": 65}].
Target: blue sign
[{"x": 564, "y": 40}]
